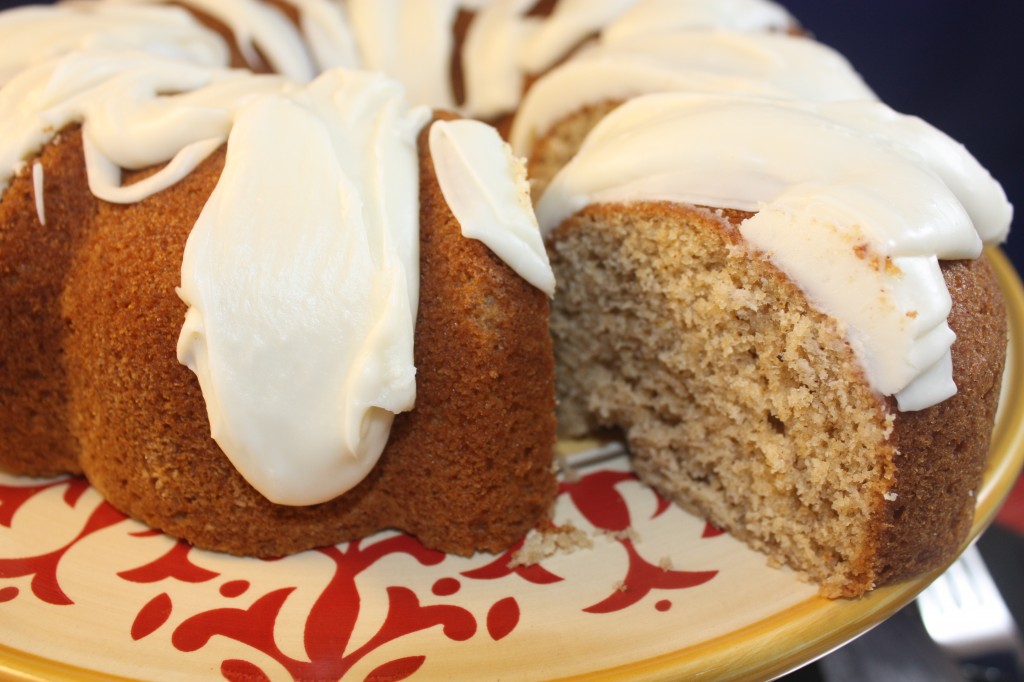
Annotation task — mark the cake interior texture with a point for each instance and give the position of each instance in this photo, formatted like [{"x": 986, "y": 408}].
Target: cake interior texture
[
  {"x": 743, "y": 403},
  {"x": 556, "y": 147}
]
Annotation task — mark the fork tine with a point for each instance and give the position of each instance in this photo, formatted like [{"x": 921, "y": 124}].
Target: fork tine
[
  {"x": 939, "y": 596},
  {"x": 962, "y": 609},
  {"x": 965, "y": 614}
]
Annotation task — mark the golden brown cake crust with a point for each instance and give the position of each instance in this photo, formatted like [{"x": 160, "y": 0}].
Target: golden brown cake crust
[
  {"x": 468, "y": 469},
  {"x": 34, "y": 436},
  {"x": 942, "y": 450}
]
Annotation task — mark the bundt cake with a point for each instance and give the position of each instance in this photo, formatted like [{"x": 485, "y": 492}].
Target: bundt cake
[{"x": 761, "y": 273}]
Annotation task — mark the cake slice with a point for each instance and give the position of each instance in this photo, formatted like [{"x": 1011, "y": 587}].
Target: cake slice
[{"x": 783, "y": 370}]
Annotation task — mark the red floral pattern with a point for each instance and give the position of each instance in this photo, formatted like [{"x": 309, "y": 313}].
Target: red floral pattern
[{"x": 330, "y": 648}]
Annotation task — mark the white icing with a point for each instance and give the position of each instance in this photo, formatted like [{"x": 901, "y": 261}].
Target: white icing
[
  {"x": 570, "y": 23},
  {"x": 37, "y": 191},
  {"x": 887, "y": 196},
  {"x": 301, "y": 309},
  {"x": 37, "y": 33},
  {"x": 261, "y": 31},
  {"x": 503, "y": 45},
  {"x": 769, "y": 65},
  {"x": 485, "y": 186},
  {"x": 410, "y": 40},
  {"x": 323, "y": 39},
  {"x": 105, "y": 176},
  {"x": 327, "y": 31},
  {"x": 649, "y": 17},
  {"x": 127, "y": 121},
  {"x": 492, "y": 73}
]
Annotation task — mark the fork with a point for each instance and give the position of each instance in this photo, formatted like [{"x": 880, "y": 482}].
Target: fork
[{"x": 966, "y": 616}]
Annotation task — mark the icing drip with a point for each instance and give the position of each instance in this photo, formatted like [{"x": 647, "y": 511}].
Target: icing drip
[
  {"x": 410, "y": 40},
  {"x": 37, "y": 191},
  {"x": 126, "y": 121},
  {"x": 261, "y": 31},
  {"x": 301, "y": 309},
  {"x": 769, "y": 65},
  {"x": 486, "y": 189},
  {"x": 572, "y": 22},
  {"x": 325, "y": 26},
  {"x": 887, "y": 196},
  {"x": 492, "y": 72},
  {"x": 36, "y": 33}
]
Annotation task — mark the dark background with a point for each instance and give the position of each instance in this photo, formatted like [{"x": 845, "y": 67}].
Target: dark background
[{"x": 958, "y": 64}]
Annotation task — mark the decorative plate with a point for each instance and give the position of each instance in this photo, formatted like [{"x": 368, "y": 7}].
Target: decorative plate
[{"x": 87, "y": 594}]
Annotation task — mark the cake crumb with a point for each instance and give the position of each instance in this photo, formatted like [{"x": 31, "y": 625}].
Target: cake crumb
[
  {"x": 547, "y": 541},
  {"x": 629, "y": 534}
]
